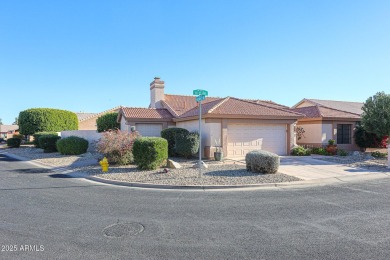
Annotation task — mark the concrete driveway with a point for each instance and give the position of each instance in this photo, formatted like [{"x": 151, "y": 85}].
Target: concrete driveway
[{"x": 309, "y": 168}]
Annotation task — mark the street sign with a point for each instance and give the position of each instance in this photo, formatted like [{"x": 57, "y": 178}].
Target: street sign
[
  {"x": 200, "y": 92},
  {"x": 200, "y": 98}
]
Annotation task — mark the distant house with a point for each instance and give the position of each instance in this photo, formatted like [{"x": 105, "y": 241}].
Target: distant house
[
  {"x": 7, "y": 131},
  {"x": 87, "y": 121},
  {"x": 236, "y": 125},
  {"x": 328, "y": 119}
]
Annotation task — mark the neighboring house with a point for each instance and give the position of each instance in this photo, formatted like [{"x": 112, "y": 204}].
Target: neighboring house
[
  {"x": 327, "y": 119},
  {"x": 87, "y": 121},
  {"x": 236, "y": 125},
  {"x": 7, "y": 131}
]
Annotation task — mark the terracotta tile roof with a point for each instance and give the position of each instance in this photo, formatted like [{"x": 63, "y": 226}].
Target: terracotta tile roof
[
  {"x": 181, "y": 104},
  {"x": 150, "y": 113},
  {"x": 269, "y": 103},
  {"x": 325, "y": 112},
  {"x": 85, "y": 116},
  {"x": 239, "y": 107},
  {"x": 82, "y": 116},
  {"x": 346, "y": 106},
  {"x": 7, "y": 128}
]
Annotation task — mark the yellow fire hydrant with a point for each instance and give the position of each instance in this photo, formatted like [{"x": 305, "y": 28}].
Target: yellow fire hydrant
[{"x": 104, "y": 164}]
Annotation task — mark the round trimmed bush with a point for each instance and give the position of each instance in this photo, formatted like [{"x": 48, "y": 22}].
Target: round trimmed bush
[
  {"x": 39, "y": 134},
  {"x": 170, "y": 135},
  {"x": 262, "y": 161},
  {"x": 150, "y": 152},
  {"x": 14, "y": 142},
  {"x": 72, "y": 145},
  {"x": 187, "y": 144},
  {"x": 48, "y": 143}
]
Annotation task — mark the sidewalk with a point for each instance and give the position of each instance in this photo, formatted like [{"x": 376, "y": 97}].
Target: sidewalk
[{"x": 308, "y": 168}]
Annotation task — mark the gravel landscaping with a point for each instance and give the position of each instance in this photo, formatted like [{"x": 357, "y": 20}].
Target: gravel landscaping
[{"x": 216, "y": 174}]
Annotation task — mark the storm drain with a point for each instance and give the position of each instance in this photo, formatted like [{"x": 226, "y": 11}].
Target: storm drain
[
  {"x": 34, "y": 170},
  {"x": 123, "y": 229},
  {"x": 60, "y": 175}
]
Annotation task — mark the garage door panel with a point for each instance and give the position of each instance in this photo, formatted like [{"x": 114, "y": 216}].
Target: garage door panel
[
  {"x": 153, "y": 130},
  {"x": 245, "y": 138}
]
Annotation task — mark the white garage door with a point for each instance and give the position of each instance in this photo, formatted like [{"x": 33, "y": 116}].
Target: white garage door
[
  {"x": 149, "y": 129},
  {"x": 245, "y": 138}
]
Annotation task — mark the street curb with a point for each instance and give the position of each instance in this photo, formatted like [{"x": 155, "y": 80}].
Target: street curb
[{"x": 282, "y": 185}]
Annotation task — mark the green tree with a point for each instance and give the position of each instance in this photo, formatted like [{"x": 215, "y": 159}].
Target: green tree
[
  {"x": 376, "y": 114},
  {"x": 107, "y": 122},
  {"x": 36, "y": 120},
  {"x": 16, "y": 121},
  {"x": 1, "y": 122}
]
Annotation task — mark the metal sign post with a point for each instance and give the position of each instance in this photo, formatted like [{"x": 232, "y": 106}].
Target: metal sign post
[{"x": 201, "y": 96}]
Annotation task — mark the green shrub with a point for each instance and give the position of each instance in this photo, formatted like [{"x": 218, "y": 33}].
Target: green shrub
[
  {"x": 341, "y": 152},
  {"x": 13, "y": 142},
  {"x": 187, "y": 144},
  {"x": 300, "y": 151},
  {"x": 107, "y": 122},
  {"x": 331, "y": 142},
  {"x": 72, "y": 145},
  {"x": 39, "y": 134},
  {"x": 364, "y": 139},
  {"x": 150, "y": 152},
  {"x": 378, "y": 154},
  {"x": 170, "y": 135},
  {"x": 117, "y": 146},
  {"x": 262, "y": 161},
  {"x": 48, "y": 143},
  {"x": 21, "y": 137},
  {"x": 318, "y": 150},
  {"x": 46, "y": 120}
]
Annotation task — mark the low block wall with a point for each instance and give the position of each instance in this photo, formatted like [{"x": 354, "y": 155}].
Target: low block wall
[{"x": 91, "y": 135}]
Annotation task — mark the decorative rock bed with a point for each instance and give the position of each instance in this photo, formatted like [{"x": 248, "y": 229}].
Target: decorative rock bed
[{"x": 217, "y": 173}]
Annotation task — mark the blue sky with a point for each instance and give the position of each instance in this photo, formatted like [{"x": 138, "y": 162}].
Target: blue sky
[{"x": 94, "y": 55}]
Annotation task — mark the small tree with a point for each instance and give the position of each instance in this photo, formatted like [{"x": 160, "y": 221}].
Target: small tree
[
  {"x": 376, "y": 114},
  {"x": 1, "y": 122},
  {"x": 107, "y": 122}
]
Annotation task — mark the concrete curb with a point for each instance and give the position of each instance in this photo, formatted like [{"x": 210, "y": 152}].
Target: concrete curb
[{"x": 282, "y": 185}]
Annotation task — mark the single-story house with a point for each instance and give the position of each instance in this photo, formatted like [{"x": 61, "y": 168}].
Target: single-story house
[
  {"x": 7, "y": 131},
  {"x": 328, "y": 119},
  {"x": 236, "y": 125},
  {"x": 87, "y": 121}
]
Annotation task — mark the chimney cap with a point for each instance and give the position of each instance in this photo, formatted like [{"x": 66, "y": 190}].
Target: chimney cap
[{"x": 157, "y": 77}]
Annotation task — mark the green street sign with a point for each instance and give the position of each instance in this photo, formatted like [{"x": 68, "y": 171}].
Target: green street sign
[
  {"x": 200, "y": 92},
  {"x": 200, "y": 98}
]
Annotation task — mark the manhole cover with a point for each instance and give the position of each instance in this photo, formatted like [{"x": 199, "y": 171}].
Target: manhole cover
[
  {"x": 34, "y": 170},
  {"x": 60, "y": 175},
  {"x": 123, "y": 229}
]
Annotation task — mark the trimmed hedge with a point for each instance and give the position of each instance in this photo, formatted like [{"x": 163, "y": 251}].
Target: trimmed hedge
[
  {"x": 46, "y": 120},
  {"x": 14, "y": 142},
  {"x": 48, "y": 143},
  {"x": 170, "y": 135},
  {"x": 39, "y": 134},
  {"x": 187, "y": 144},
  {"x": 262, "y": 161},
  {"x": 72, "y": 145},
  {"x": 107, "y": 122},
  {"x": 150, "y": 152},
  {"x": 21, "y": 137}
]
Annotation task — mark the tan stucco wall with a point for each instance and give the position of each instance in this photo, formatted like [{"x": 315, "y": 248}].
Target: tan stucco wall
[
  {"x": 317, "y": 133},
  {"x": 89, "y": 124}
]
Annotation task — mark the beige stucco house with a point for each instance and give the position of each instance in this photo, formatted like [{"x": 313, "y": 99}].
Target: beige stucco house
[
  {"x": 7, "y": 131},
  {"x": 236, "y": 125},
  {"x": 328, "y": 119},
  {"x": 87, "y": 121}
]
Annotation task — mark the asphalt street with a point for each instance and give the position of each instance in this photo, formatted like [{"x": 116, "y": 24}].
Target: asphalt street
[{"x": 44, "y": 215}]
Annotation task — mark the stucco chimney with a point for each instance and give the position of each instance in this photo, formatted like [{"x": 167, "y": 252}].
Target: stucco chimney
[{"x": 156, "y": 93}]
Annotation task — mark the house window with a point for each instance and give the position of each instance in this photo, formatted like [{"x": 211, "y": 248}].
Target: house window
[{"x": 344, "y": 133}]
